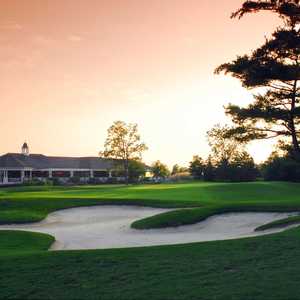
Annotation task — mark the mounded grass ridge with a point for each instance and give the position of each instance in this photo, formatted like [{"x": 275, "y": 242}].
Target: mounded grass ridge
[{"x": 31, "y": 204}]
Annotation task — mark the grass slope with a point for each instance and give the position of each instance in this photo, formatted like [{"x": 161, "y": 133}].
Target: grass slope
[
  {"x": 28, "y": 204},
  {"x": 280, "y": 223},
  {"x": 16, "y": 242},
  {"x": 258, "y": 268}
]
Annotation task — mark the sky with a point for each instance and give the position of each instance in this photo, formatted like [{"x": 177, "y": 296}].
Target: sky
[{"x": 69, "y": 69}]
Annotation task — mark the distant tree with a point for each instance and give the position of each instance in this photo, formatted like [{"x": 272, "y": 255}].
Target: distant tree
[
  {"x": 160, "y": 170},
  {"x": 196, "y": 167},
  {"x": 243, "y": 168},
  {"x": 275, "y": 67},
  {"x": 209, "y": 170},
  {"x": 229, "y": 160},
  {"x": 123, "y": 142},
  {"x": 281, "y": 168},
  {"x": 137, "y": 170},
  {"x": 177, "y": 170},
  {"x": 281, "y": 165},
  {"x": 223, "y": 147}
]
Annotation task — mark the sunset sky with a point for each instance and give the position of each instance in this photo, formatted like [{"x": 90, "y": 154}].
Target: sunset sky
[{"x": 69, "y": 68}]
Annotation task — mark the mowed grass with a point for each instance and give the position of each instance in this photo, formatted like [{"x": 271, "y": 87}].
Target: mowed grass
[
  {"x": 180, "y": 193},
  {"x": 21, "y": 242},
  {"x": 28, "y": 204},
  {"x": 280, "y": 223},
  {"x": 260, "y": 268}
]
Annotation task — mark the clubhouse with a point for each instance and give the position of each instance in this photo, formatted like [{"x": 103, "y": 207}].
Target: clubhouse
[{"x": 17, "y": 168}]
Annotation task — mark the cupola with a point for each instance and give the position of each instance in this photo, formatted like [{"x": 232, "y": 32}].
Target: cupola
[{"x": 25, "y": 149}]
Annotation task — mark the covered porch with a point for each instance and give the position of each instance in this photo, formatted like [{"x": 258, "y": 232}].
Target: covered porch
[
  {"x": 14, "y": 176},
  {"x": 18, "y": 176}
]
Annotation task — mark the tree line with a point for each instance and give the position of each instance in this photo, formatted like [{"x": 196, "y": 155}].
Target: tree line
[
  {"x": 228, "y": 159},
  {"x": 272, "y": 72}
]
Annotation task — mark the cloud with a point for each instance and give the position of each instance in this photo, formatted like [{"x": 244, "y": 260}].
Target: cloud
[
  {"x": 74, "y": 38},
  {"x": 43, "y": 40},
  {"x": 11, "y": 26}
]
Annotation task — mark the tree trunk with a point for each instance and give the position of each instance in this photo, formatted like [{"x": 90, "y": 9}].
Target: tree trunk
[
  {"x": 296, "y": 147},
  {"x": 126, "y": 170}
]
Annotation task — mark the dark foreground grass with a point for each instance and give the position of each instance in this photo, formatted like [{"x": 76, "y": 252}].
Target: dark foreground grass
[{"x": 259, "y": 268}]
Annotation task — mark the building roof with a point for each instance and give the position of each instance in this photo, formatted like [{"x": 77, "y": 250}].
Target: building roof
[{"x": 39, "y": 161}]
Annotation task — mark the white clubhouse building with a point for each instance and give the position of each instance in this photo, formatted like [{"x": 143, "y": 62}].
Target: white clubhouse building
[{"x": 16, "y": 168}]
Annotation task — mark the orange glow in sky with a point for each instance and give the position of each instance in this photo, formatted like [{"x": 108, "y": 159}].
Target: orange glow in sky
[{"x": 70, "y": 68}]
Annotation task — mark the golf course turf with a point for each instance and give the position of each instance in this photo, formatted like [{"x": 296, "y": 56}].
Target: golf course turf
[
  {"x": 265, "y": 267},
  {"x": 29, "y": 204}
]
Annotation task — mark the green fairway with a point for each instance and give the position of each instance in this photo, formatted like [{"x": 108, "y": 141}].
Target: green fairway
[
  {"x": 263, "y": 268},
  {"x": 27, "y": 204},
  {"x": 194, "y": 193}
]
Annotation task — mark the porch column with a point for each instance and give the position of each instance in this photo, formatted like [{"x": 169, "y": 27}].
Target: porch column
[
  {"x": 91, "y": 173},
  {"x": 2, "y": 176},
  {"x": 30, "y": 175},
  {"x": 50, "y": 173},
  {"x": 109, "y": 174},
  {"x": 22, "y": 175},
  {"x": 72, "y": 173},
  {"x": 5, "y": 178}
]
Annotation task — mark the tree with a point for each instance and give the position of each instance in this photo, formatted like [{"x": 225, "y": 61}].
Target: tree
[
  {"x": 281, "y": 165},
  {"x": 243, "y": 168},
  {"x": 231, "y": 162},
  {"x": 123, "y": 142},
  {"x": 196, "y": 167},
  {"x": 282, "y": 168},
  {"x": 177, "y": 169},
  {"x": 160, "y": 170},
  {"x": 137, "y": 170},
  {"x": 209, "y": 170},
  {"x": 275, "y": 111},
  {"x": 223, "y": 146}
]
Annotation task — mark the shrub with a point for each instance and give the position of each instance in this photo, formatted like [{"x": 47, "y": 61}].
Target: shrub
[
  {"x": 75, "y": 180},
  {"x": 114, "y": 180},
  {"x": 36, "y": 181},
  {"x": 57, "y": 181}
]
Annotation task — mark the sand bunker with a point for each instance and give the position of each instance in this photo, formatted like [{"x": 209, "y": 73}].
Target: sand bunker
[{"x": 102, "y": 227}]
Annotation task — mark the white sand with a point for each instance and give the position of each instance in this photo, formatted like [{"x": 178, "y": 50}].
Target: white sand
[{"x": 102, "y": 227}]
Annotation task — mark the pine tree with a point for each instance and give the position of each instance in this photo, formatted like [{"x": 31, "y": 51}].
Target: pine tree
[{"x": 273, "y": 69}]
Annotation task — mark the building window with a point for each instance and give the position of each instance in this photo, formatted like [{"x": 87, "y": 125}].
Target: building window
[
  {"x": 82, "y": 174},
  {"x": 14, "y": 174},
  {"x": 39, "y": 174},
  {"x": 98, "y": 174},
  {"x": 61, "y": 174}
]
